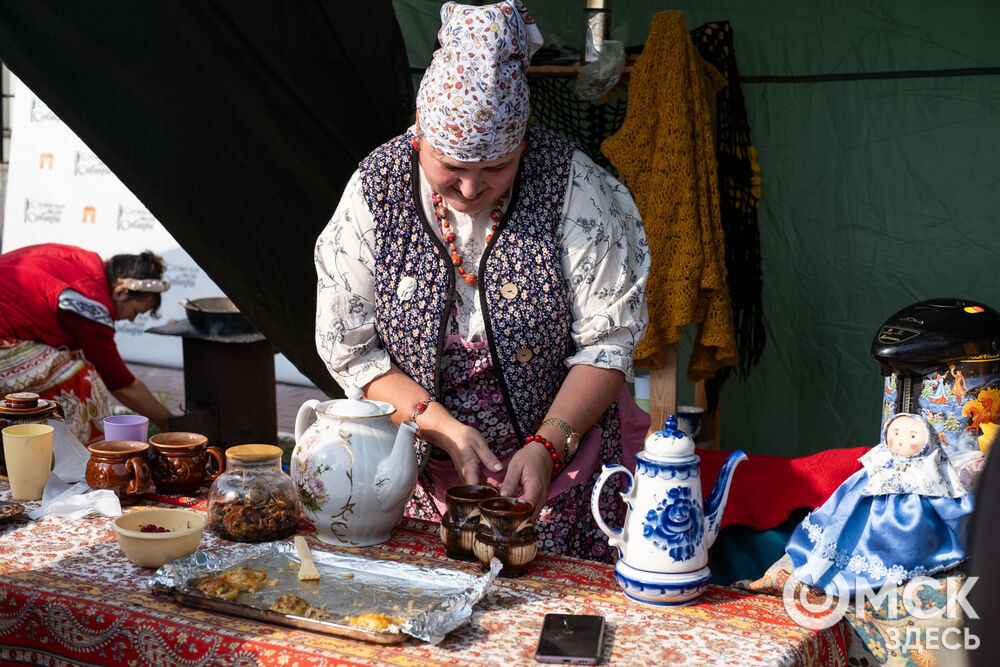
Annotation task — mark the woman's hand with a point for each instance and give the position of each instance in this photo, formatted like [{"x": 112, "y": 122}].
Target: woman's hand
[
  {"x": 530, "y": 470},
  {"x": 138, "y": 398},
  {"x": 465, "y": 445},
  {"x": 469, "y": 452}
]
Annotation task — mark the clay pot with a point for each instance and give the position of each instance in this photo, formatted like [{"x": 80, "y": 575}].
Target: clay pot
[
  {"x": 25, "y": 407},
  {"x": 119, "y": 465},
  {"x": 180, "y": 462},
  {"x": 506, "y": 532},
  {"x": 459, "y": 523}
]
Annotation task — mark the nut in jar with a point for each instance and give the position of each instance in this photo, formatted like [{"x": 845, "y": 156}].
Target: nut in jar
[{"x": 253, "y": 500}]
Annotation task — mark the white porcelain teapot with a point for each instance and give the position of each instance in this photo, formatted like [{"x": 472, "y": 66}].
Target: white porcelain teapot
[
  {"x": 663, "y": 546},
  {"x": 353, "y": 470}
]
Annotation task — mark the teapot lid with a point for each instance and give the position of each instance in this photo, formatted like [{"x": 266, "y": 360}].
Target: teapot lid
[
  {"x": 669, "y": 441},
  {"x": 355, "y": 406}
]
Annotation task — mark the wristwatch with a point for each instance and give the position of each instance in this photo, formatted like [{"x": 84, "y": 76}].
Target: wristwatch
[{"x": 572, "y": 437}]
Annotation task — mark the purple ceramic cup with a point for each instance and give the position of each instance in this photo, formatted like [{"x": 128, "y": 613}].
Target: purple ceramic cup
[{"x": 126, "y": 427}]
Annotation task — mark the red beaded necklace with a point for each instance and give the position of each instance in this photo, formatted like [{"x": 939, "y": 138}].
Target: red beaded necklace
[{"x": 441, "y": 212}]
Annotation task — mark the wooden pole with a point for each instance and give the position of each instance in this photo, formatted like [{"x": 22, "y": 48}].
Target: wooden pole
[{"x": 663, "y": 389}]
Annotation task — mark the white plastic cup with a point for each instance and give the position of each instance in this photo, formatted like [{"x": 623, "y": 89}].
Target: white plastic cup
[{"x": 27, "y": 449}]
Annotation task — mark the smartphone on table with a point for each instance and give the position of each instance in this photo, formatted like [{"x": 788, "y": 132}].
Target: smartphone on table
[{"x": 571, "y": 639}]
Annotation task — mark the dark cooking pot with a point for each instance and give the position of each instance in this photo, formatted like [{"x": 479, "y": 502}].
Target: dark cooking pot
[{"x": 217, "y": 316}]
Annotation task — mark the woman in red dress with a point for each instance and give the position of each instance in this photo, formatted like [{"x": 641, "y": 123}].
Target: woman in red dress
[{"x": 58, "y": 305}]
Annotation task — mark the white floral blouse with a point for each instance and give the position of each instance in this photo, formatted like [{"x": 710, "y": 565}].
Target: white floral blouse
[{"x": 603, "y": 248}]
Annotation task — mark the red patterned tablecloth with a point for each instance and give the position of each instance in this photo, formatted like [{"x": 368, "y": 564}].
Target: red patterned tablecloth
[{"x": 68, "y": 597}]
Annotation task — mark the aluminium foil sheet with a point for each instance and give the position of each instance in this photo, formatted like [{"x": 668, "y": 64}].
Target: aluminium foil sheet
[{"x": 426, "y": 603}]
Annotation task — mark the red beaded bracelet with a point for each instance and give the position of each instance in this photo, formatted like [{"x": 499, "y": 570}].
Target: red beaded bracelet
[{"x": 556, "y": 463}]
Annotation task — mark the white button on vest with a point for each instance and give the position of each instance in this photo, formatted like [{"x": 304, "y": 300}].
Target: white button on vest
[
  {"x": 406, "y": 287},
  {"x": 524, "y": 355},
  {"x": 508, "y": 291}
]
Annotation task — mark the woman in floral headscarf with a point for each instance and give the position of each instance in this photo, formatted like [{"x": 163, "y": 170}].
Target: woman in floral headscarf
[{"x": 487, "y": 279}]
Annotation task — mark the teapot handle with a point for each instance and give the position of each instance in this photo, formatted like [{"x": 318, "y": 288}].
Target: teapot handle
[
  {"x": 302, "y": 418},
  {"x": 614, "y": 536}
]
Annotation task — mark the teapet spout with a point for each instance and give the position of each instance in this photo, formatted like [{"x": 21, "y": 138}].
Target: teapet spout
[
  {"x": 715, "y": 504},
  {"x": 396, "y": 474}
]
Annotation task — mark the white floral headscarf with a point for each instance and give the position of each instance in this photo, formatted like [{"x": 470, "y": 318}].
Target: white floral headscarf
[{"x": 473, "y": 99}]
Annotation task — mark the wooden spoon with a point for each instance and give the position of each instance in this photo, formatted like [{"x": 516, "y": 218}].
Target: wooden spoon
[{"x": 307, "y": 570}]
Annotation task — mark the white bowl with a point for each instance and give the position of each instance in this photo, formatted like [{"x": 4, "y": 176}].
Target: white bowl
[{"x": 154, "y": 549}]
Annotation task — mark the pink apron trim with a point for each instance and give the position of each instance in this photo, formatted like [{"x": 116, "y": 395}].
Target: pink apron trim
[{"x": 634, "y": 425}]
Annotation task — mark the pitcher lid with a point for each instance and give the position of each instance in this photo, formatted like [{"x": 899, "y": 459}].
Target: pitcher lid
[
  {"x": 669, "y": 441},
  {"x": 355, "y": 406}
]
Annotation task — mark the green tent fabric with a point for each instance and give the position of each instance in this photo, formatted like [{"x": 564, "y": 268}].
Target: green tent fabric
[
  {"x": 876, "y": 126},
  {"x": 236, "y": 123}
]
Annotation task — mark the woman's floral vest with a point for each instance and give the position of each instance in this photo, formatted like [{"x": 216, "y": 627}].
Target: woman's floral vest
[{"x": 528, "y": 329}]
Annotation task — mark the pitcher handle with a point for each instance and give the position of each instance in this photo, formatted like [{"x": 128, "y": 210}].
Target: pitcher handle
[
  {"x": 140, "y": 481},
  {"x": 614, "y": 536},
  {"x": 302, "y": 417},
  {"x": 215, "y": 453}
]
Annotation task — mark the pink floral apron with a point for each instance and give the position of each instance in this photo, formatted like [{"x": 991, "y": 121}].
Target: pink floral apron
[{"x": 470, "y": 390}]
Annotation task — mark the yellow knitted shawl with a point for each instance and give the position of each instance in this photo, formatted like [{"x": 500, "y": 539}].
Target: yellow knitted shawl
[{"x": 665, "y": 151}]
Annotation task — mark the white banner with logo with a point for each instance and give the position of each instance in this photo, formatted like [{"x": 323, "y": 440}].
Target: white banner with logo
[{"x": 59, "y": 191}]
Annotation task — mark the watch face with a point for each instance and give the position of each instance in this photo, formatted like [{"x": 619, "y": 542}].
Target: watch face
[{"x": 572, "y": 442}]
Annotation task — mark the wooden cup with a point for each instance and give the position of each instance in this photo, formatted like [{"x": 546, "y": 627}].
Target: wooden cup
[
  {"x": 461, "y": 518},
  {"x": 506, "y": 532}
]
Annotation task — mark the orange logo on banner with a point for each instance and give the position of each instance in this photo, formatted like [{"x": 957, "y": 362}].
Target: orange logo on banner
[
  {"x": 45, "y": 158},
  {"x": 88, "y": 214}
]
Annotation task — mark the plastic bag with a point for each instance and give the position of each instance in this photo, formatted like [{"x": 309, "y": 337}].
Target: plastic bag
[{"x": 597, "y": 78}]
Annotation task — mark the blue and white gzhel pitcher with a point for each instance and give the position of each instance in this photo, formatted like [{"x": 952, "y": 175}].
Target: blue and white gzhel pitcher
[{"x": 663, "y": 546}]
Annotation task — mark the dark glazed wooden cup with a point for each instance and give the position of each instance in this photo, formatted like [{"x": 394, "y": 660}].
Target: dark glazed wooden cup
[
  {"x": 181, "y": 462},
  {"x": 461, "y": 518},
  {"x": 506, "y": 532},
  {"x": 119, "y": 465}
]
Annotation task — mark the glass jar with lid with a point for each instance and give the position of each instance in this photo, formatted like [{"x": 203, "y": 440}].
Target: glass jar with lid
[{"x": 253, "y": 500}]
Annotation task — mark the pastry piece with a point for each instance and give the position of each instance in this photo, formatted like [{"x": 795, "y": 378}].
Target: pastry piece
[
  {"x": 293, "y": 604},
  {"x": 290, "y": 604},
  {"x": 376, "y": 622},
  {"x": 245, "y": 578},
  {"x": 217, "y": 587}
]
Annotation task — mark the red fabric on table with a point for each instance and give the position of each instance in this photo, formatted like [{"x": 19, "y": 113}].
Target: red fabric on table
[{"x": 767, "y": 489}]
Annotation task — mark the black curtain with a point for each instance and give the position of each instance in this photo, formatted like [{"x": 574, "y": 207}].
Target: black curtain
[{"x": 236, "y": 123}]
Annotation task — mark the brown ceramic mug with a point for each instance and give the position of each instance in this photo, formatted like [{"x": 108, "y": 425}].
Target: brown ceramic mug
[
  {"x": 461, "y": 518},
  {"x": 180, "y": 462},
  {"x": 119, "y": 465},
  {"x": 506, "y": 532}
]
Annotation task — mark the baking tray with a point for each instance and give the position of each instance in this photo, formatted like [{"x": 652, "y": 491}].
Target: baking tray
[{"x": 429, "y": 602}]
